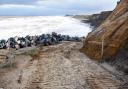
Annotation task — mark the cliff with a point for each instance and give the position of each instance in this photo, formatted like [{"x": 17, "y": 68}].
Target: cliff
[
  {"x": 112, "y": 35},
  {"x": 82, "y": 17},
  {"x": 97, "y": 19},
  {"x": 94, "y": 20}
]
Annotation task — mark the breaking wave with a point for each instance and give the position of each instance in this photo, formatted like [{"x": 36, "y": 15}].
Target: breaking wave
[{"x": 22, "y": 26}]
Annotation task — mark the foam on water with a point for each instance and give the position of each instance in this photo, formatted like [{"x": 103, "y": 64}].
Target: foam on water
[{"x": 22, "y": 26}]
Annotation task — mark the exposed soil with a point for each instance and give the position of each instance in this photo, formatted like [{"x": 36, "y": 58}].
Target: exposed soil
[{"x": 58, "y": 67}]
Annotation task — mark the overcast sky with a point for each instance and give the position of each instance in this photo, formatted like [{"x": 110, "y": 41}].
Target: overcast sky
[{"x": 54, "y": 7}]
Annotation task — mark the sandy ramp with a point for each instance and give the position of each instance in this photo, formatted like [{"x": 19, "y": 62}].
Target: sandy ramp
[{"x": 59, "y": 67}]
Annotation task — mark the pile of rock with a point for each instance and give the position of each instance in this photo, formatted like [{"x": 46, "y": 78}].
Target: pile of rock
[{"x": 44, "y": 40}]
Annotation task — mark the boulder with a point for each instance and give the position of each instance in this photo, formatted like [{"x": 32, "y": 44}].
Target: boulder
[{"x": 106, "y": 41}]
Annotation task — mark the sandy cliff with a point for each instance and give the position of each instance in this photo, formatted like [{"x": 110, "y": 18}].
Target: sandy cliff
[{"x": 111, "y": 36}]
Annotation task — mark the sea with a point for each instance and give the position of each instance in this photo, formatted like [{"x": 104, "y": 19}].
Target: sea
[{"x": 36, "y": 25}]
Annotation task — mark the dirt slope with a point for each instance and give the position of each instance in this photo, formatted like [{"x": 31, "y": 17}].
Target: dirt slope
[
  {"x": 59, "y": 67},
  {"x": 106, "y": 41}
]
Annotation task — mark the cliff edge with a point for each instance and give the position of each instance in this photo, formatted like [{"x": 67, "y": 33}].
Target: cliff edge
[{"x": 106, "y": 41}]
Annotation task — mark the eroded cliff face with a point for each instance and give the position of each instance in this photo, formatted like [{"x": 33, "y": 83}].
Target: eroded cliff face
[
  {"x": 106, "y": 41},
  {"x": 96, "y": 20}
]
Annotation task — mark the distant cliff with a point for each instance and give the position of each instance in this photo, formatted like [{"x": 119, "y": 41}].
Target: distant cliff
[
  {"x": 82, "y": 17},
  {"x": 111, "y": 36},
  {"x": 94, "y": 20}
]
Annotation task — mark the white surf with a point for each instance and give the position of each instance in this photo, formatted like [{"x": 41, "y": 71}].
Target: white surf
[{"x": 22, "y": 26}]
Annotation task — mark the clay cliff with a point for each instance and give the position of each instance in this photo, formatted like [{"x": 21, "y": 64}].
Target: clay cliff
[{"x": 106, "y": 41}]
